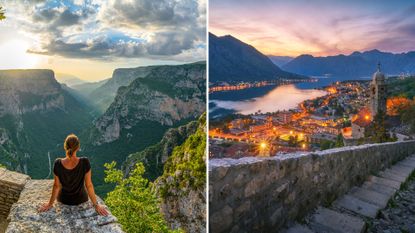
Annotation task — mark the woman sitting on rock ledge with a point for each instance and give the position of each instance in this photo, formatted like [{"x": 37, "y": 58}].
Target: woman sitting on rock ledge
[{"x": 71, "y": 176}]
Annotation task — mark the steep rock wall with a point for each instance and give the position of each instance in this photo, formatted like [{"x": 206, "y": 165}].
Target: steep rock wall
[{"x": 262, "y": 194}]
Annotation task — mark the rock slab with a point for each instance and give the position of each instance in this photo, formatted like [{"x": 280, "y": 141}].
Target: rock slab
[{"x": 61, "y": 218}]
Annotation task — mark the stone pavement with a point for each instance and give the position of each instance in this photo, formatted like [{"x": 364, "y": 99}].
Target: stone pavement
[
  {"x": 24, "y": 217},
  {"x": 351, "y": 212}
]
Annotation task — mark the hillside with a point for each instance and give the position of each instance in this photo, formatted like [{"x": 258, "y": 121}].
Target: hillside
[
  {"x": 104, "y": 95},
  {"x": 280, "y": 60},
  {"x": 183, "y": 183},
  {"x": 154, "y": 157},
  {"x": 356, "y": 64},
  {"x": 233, "y": 60},
  {"x": 68, "y": 79},
  {"x": 86, "y": 89},
  {"x": 36, "y": 115},
  {"x": 167, "y": 97}
]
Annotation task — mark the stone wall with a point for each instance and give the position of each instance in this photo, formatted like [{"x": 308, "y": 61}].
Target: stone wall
[
  {"x": 11, "y": 184},
  {"x": 263, "y": 194}
]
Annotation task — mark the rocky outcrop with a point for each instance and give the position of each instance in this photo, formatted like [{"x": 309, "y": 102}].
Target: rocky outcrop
[
  {"x": 186, "y": 210},
  {"x": 105, "y": 94},
  {"x": 182, "y": 187},
  {"x": 25, "y": 196},
  {"x": 262, "y": 194},
  {"x": 23, "y": 91},
  {"x": 11, "y": 184},
  {"x": 166, "y": 95}
]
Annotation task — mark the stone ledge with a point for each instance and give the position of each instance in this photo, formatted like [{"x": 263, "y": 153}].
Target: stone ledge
[
  {"x": 14, "y": 179},
  {"x": 61, "y": 218}
]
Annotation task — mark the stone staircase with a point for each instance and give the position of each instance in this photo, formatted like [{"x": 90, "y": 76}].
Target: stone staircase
[{"x": 349, "y": 213}]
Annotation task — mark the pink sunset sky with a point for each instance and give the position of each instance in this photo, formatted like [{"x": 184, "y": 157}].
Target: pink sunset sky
[{"x": 319, "y": 28}]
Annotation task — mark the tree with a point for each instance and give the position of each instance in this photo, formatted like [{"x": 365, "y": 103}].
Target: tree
[
  {"x": 377, "y": 131},
  {"x": 339, "y": 141},
  {"x": 408, "y": 117},
  {"x": 2, "y": 16},
  {"x": 133, "y": 201}
]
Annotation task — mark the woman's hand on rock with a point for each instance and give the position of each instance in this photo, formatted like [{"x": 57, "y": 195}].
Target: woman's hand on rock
[
  {"x": 45, "y": 207},
  {"x": 101, "y": 210}
]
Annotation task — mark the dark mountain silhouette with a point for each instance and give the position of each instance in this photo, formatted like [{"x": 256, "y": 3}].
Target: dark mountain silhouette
[
  {"x": 233, "y": 60},
  {"x": 355, "y": 64}
]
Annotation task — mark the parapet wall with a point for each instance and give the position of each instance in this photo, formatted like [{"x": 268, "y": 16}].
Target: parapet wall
[
  {"x": 262, "y": 194},
  {"x": 11, "y": 184}
]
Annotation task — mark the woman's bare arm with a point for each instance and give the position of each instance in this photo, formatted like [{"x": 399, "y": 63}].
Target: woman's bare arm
[
  {"x": 91, "y": 193},
  {"x": 55, "y": 190}
]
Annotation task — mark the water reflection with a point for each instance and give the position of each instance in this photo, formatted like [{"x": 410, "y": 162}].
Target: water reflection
[{"x": 281, "y": 98}]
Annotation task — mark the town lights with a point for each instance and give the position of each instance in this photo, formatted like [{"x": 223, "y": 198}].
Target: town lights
[
  {"x": 263, "y": 145},
  {"x": 303, "y": 145},
  {"x": 367, "y": 117}
]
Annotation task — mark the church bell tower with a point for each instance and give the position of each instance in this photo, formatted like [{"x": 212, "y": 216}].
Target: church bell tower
[{"x": 377, "y": 93}]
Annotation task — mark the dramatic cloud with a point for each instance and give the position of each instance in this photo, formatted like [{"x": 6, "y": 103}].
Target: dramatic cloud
[
  {"x": 114, "y": 29},
  {"x": 316, "y": 27}
]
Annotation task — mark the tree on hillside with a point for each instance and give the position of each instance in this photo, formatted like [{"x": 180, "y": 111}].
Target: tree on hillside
[
  {"x": 339, "y": 140},
  {"x": 377, "y": 131},
  {"x": 2, "y": 16},
  {"x": 408, "y": 117},
  {"x": 134, "y": 202}
]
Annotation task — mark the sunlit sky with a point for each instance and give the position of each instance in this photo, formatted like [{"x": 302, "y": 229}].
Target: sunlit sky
[
  {"x": 316, "y": 27},
  {"x": 90, "y": 38}
]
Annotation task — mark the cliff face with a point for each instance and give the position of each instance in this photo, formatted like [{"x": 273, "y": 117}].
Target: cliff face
[
  {"x": 182, "y": 187},
  {"x": 105, "y": 94},
  {"x": 23, "y": 91},
  {"x": 166, "y": 95},
  {"x": 35, "y": 115}
]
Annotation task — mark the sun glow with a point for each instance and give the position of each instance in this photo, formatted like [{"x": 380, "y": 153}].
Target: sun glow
[{"x": 14, "y": 55}]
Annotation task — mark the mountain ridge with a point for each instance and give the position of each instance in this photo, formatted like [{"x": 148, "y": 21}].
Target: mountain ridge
[
  {"x": 233, "y": 60},
  {"x": 355, "y": 64}
]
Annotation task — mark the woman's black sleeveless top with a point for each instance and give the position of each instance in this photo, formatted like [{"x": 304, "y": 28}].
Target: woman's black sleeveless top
[{"x": 73, "y": 182}]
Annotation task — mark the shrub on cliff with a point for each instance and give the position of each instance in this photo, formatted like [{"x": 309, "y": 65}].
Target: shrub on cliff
[
  {"x": 133, "y": 201},
  {"x": 186, "y": 167}
]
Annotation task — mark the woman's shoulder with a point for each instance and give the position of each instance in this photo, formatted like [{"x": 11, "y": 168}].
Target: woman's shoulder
[
  {"x": 58, "y": 161},
  {"x": 84, "y": 159}
]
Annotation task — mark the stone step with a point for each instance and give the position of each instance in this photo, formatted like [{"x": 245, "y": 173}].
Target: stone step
[
  {"x": 387, "y": 174},
  {"x": 298, "y": 229},
  {"x": 387, "y": 190},
  {"x": 402, "y": 170},
  {"x": 326, "y": 220},
  {"x": 386, "y": 182},
  {"x": 365, "y": 201},
  {"x": 353, "y": 204},
  {"x": 372, "y": 197},
  {"x": 407, "y": 162}
]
